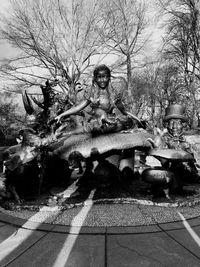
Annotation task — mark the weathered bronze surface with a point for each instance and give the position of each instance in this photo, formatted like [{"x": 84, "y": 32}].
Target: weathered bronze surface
[
  {"x": 157, "y": 175},
  {"x": 85, "y": 144},
  {"x": 171, "y": 154}
]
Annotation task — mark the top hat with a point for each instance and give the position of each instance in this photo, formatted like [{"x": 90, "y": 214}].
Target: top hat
[{"x": 175, "y": 111}]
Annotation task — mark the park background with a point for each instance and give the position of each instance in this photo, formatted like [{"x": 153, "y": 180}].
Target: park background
[{"x": 152, "y": 48}]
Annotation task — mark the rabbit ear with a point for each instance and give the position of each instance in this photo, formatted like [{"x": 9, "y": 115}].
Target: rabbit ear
[{"x": 27, "y": 103}]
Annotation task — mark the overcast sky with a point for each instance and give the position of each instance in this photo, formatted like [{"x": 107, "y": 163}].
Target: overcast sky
[
  {"x": 7, "y": 51},
  {"x": 4, "y": 4}
]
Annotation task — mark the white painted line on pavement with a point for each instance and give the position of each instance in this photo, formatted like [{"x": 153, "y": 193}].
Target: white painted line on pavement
[
  {"x": 70, "y": 190},
  {"x": 189, "y": 229},
  {"x": 76, "y": 225},
  {"x": 21, "y": 235}
]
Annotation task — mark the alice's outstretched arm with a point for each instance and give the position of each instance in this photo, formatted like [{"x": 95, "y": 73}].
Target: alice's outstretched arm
[
  {"x": 121, "y": 107},
  {"x": 73, "y": 110}
]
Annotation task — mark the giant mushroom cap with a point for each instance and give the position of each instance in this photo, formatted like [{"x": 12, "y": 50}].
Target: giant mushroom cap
[
  {"x": 85, "y": 144},
  {"x": 171, "y": 154}
]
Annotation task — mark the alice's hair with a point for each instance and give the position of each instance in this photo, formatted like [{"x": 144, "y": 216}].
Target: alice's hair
[{"x": 100, "y": 68}]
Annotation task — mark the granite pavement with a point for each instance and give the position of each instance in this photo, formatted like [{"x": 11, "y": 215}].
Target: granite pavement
[{"x": 104, "y": 235}]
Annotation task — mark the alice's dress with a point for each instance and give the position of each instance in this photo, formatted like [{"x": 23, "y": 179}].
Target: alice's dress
[{"x": 103, "y": 114}]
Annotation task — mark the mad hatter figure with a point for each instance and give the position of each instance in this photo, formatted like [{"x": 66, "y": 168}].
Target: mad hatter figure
[
  {"x": 174, "y": 139},
  {"x": 174, "y": 153}
]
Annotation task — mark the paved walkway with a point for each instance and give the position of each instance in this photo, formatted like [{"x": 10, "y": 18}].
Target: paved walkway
[
  {"x": 94, "y": 234},
  {"x": 34, "y": 242}
]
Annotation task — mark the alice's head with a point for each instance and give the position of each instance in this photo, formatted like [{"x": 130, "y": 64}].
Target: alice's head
[{"x": 101, "y": 76}]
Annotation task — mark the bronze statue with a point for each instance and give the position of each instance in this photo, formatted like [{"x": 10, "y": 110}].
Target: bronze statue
[
  {"x": 53, "y": 104},
  {"x": 108, "y": 128},
  {"x": 98, "y": 105},
  {"x": 174, "y": 153}
]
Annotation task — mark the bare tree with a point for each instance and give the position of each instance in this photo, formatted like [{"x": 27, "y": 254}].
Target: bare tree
[
  {"x": 139, "y": 92},
  {"x": 182, "y": 44},
  {"x": 123, "y": 34},
  {"x": 164, "y": 86},
  {"x": 54, "y": 39},
  {"x": 183, "y": 33}
]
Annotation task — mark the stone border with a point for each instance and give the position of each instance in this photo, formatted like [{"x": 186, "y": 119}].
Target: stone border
[{"x": 64, "y": 207}]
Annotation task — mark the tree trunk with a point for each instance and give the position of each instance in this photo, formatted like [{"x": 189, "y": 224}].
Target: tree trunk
[{"x": 129, "y": 78}]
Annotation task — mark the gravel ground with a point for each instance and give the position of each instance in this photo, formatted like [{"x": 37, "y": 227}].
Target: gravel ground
[
  {"x": 109, "y": 215},
  {"x": 105, "y": 209}
]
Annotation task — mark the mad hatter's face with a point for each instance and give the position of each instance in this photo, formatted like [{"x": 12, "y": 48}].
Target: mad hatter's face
[{"x": 175, "y": 127}]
